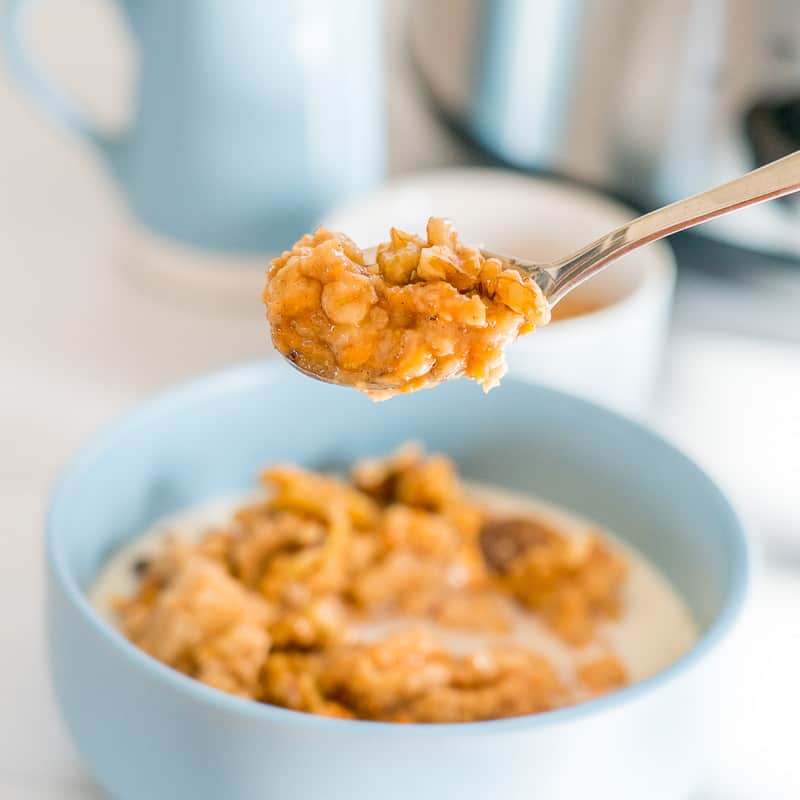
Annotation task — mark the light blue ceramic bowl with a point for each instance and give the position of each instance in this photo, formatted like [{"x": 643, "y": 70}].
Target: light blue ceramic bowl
[{"x": 147, "y": 732}]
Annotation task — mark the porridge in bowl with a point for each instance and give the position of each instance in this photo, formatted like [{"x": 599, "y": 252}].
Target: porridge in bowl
[
  {"x": 426, "y": 311},
  {"x": 395, "y": 593}
]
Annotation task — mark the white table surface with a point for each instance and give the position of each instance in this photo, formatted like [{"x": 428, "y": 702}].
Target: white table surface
[{"x": 82, "y": 338}]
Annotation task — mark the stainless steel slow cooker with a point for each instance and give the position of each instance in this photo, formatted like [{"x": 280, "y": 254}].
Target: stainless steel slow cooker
[{"x": 653, "y": 99}]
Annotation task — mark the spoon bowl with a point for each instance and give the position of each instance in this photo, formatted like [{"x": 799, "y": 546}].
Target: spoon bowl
[{"x": 373, "y": 388}]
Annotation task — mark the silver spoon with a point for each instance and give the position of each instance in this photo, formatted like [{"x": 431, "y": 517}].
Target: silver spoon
[{"x": 558, "y": 278}]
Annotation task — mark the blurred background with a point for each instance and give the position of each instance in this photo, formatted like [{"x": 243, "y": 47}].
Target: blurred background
[{"x": 154, "y": 155}]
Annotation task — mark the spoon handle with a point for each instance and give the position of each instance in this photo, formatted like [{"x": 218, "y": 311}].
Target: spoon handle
[{"x": 770, "y": 181}]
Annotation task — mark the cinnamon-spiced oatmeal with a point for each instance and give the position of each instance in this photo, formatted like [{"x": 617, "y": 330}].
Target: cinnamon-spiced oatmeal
[
  {"x": 427, "y": 310},
  {"x": 394, "y": 593}
]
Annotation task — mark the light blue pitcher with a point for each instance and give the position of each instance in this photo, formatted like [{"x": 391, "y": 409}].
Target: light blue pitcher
[{"x": 252, "y": 116}]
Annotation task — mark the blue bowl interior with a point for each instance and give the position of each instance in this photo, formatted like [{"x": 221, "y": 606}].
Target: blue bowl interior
[{"x": 213, "y": 436}]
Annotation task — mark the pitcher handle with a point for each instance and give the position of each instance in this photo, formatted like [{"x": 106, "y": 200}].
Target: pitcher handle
[{"x": 55, "y": 104}]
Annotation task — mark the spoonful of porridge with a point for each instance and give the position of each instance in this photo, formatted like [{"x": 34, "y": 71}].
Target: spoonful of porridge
[{"x": 413, "y": 312}]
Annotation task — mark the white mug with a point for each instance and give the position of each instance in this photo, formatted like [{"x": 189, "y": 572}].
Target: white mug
[{"x": 611, "y": 355}]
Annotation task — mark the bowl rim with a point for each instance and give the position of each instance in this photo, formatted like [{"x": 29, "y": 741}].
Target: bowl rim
[
  {"x": 258, "y": 372},
  {"x": 656, "y": 275}
]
